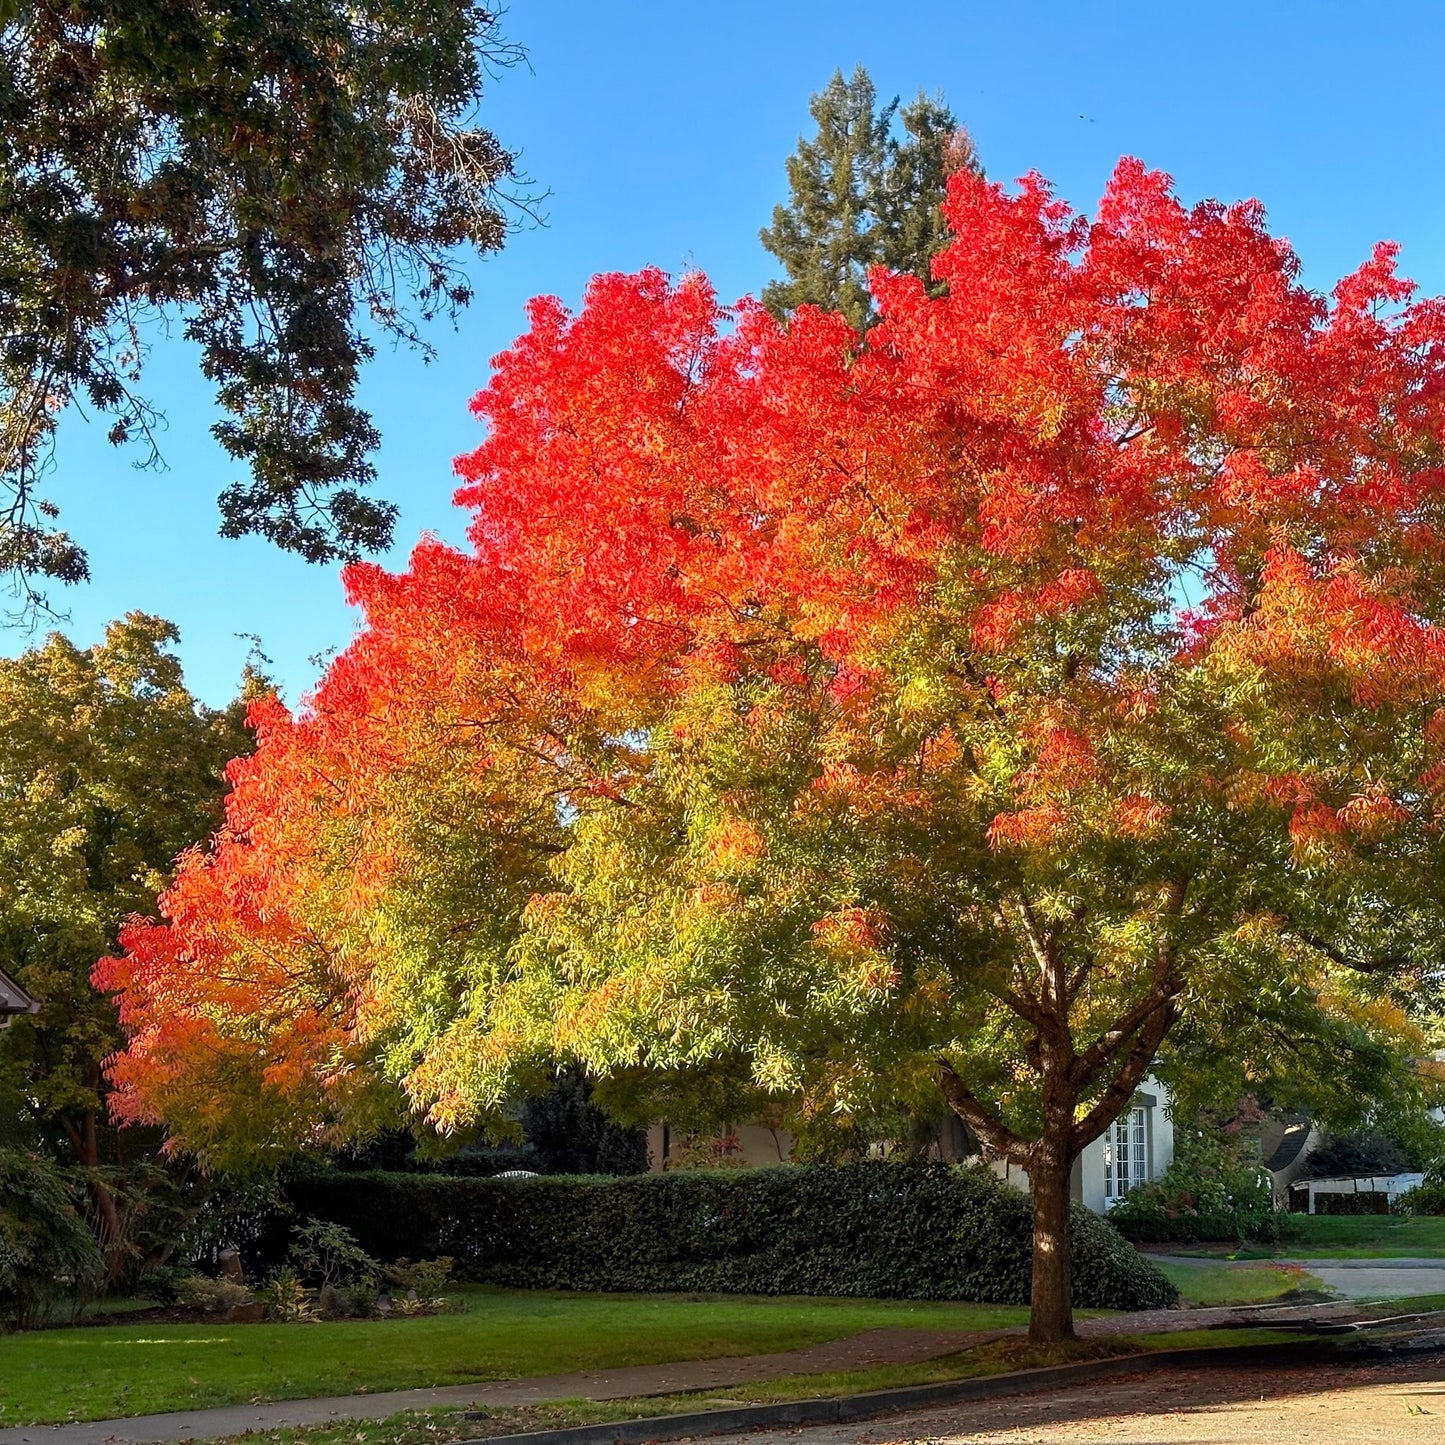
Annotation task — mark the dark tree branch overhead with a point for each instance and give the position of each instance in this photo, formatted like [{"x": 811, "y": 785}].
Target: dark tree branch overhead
[{"x": 284, "y": 175}]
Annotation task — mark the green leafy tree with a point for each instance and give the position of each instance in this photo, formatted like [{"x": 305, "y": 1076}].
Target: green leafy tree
[
  {"x": 862, "y": 196},
  {"x": 284, "y": 175},
  {"x": 108, "y": 770}
]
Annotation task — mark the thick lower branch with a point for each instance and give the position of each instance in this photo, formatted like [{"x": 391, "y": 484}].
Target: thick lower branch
[{"x": 991, "y": 1130}]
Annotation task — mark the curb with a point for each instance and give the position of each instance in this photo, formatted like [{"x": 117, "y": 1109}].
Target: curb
[{"x": 844, "y": 1408}]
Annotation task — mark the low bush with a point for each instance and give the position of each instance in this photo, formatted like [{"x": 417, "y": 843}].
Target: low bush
[
  {"x": 201, "y": 1292},
  {"x": 287, "y": 1299},
  {"x": 878, "y": 1229},
  {"x": 1423, "y": 1199},
  {"x": 325, "y": 1254},
  {"x": 1215, "y": 1189},
  {"x": 1366, "y": 1202},
  {"x": 48, "y": 1255}
]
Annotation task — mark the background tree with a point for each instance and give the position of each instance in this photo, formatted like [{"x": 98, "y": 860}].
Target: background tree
[
  {"x": 833, "y": 722},
  {"x": 284, "y": 177},
  {"x": 109, "y": 769},
  {"x": 860, "y": 196}
]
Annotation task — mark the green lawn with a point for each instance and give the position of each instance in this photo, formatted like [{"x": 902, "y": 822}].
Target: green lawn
[
  {"x": 1341, "y": 1236},
  {"x": 1226, "y": 1282},
  {"x": 97, "y": 1372}
]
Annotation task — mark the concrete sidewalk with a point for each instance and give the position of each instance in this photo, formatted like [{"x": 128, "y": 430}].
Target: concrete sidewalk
[{"x": 1361, "y": 1279}]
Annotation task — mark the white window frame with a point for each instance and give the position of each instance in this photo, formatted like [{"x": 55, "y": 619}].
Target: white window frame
[{"x": 1126, "y": 1153}]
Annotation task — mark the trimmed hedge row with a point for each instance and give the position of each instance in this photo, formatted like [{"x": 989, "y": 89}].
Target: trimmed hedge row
[
  {"x": 1195, "y": 1228},
  {"x": 1368, "y": 1202},
  {"x": 878, "y": 1229}
]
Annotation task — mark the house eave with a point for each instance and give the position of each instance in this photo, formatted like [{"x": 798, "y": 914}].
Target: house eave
[{"x": 13, "y": 999}]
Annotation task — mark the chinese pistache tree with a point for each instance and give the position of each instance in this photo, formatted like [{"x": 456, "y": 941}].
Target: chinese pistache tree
[{"x": 1041, "y": 687}]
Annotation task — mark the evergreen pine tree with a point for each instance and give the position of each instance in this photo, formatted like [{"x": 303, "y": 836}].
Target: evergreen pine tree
[
  {"x": 859, "y": 196},
  {"x": 933, "y": 148}
]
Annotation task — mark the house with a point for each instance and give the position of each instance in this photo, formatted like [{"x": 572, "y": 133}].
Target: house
[
  {"x": 1138, "y": 1146},
  {"x": 14, "y": 1000}
]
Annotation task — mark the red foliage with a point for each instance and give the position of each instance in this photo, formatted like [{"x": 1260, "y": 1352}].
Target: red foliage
[{"x": 1099, "y": 422}]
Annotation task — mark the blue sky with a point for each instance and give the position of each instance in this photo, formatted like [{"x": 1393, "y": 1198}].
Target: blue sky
[{"x": 661, "y": 132}]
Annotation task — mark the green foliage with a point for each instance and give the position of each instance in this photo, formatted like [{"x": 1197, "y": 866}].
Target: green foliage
[
  {"x": 428, "y": 1277},
  {"x": 287, "y": 1299},
  {"x": 111, "y": 769},
  {"x": 1423, "y": 1199},
  {"x": 1355, "y": 1156},
  {"x": 289, "y": 174},
  {"x": 566, "y": 1133},
  {"x": 200, "y": 1291},
  {"x": 324, "y": 1254},
  {"x": 1369, "y": 1201},
  {"x": 860, "y": 196},
  {"x": 48, "y": 1255},
  {"x": 913, "y": 1231}
]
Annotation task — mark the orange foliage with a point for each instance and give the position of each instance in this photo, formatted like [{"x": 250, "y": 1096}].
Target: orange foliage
[{"x": 1020, "y": 488}]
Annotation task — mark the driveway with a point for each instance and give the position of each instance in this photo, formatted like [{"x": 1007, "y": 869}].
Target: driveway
[{"x": 1377, "y": 1278}]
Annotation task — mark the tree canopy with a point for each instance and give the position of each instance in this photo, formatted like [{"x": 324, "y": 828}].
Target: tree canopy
[
  {"x": 109, "y": 769},
  {"x": 1043, "y": 686},
  {"x": 861, "y": 195},
  {"x": 284, "y": 178}
]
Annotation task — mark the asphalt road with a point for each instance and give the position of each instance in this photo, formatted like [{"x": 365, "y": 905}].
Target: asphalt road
[{"x": 1374, "y": 1404}]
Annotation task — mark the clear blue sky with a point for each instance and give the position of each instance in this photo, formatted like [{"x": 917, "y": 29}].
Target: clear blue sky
[{"x": 661, "y": 132}]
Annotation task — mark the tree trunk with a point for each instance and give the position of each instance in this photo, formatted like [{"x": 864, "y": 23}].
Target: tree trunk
[
  {"x": 1051, "y": 1316},
  {"x": 109, "y": 1222}
]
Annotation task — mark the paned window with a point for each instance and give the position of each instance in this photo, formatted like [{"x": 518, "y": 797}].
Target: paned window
[{"x": 1126, "y": 1154}]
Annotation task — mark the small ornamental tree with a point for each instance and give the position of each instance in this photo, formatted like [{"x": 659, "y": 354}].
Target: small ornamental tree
[{"x": 821, "y": 725}]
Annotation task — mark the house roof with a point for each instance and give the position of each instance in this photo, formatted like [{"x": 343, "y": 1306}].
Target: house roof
[
  {"x": 1292, "y": 1142},
  {"x": 14, "y": 999}
]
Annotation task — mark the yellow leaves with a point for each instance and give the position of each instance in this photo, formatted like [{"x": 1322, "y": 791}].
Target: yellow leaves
[
  {"x": 855, "y": 942},
  {"x": 1377, "y": 1014}
]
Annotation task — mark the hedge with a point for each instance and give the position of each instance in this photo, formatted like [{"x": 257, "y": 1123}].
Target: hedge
[
  {"x": 1422, "y": 1199},
  {"x": 1195, "y": 1228},
  {"x": 1367, "y": 1202},
  {"x": 876, "y": 1229}
]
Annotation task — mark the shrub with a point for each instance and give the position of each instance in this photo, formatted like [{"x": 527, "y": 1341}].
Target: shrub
[
  {"x": 426, "y": 1277},
  {"x": 1215, "y": 1188},
  {"x": 1191, "y": 1228},
  {"x": 1355, "y": 1156},
  {"x": 1367, "y": 1202},
  {"x": 1423, "y": 1199},
  {"x": 878, "y": 1228},
  {"x": 201, "y": 1292},
  {"x": 325, "y": 1253},
  {"x": 48, "y": 1255},
  {"x": 286, "y": 1298}
]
